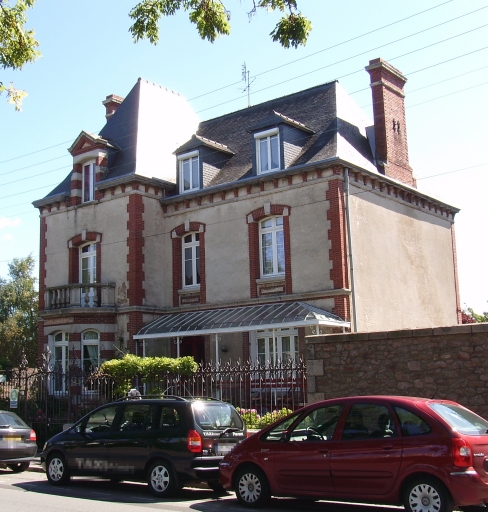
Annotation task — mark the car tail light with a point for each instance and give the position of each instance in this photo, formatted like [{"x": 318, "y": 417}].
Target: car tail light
[
  {"x": 33, "y": 436},
  {"x": 461, "y": 453},
  {"x": 194, "y": 441}
]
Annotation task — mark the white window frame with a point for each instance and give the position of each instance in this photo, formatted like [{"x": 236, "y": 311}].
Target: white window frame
[
  {"x": 60, "y": 344},
  {"x": 268, "y": 136},
  {"x": 192, "y": 159},
  {"x": 88, "y": 181},
  {"x": 194, "y": 247},
  {"x": 88, "y": 253},
  {"x": 274, "y": 231},
  {"x": 267, "y": 346},
  {"x": 90, "y": 342}
]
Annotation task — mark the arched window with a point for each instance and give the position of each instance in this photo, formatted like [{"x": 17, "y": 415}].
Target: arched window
[
  {"x": 191, "y": 259},
  {"x": 60, "y": 361},
  {"x": 90, "y": 343},
  {"x": 272, "y": 247}
]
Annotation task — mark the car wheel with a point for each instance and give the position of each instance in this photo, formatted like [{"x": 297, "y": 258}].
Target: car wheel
[
  {"x": 427, "y": 495},
  {"x": 161, "y": 479},
  {"x": 252, "y": 488},
  {"x": 19, "y": 467},
  {"x": 57, "y": 470}
]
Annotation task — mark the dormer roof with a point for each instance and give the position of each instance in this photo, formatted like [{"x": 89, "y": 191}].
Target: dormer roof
[
  {"x": 86, "y": 142},
  {"x": 197, "y": 141}
]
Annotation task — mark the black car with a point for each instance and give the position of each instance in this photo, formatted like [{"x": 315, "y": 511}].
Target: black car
[
  {"x": 169, "y": 442},
  {"x": 17, "y": 442}
]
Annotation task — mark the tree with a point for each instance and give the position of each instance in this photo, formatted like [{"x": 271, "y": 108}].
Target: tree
[
  {"x": 212, "y": 19},
  {"x": 18, "y": 312},
  {"x": 17, "y": 44},
  {"x": 470, "y": 317}
]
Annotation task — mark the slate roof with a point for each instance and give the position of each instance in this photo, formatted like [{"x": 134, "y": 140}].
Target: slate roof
[{"x": 333, "y": 127}]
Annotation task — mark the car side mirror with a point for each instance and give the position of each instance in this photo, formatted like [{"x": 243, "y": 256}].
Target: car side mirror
[{"x": 285, "y": 436}]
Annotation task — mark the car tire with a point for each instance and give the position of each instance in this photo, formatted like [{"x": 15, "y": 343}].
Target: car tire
[
  {"x": 19, "y": 467},
  {"x": 252, "y": 487},
  {"x": 57, "y": 469},
  {"x": 161, "y": 479},
  {"x": 428, "y": 495}
]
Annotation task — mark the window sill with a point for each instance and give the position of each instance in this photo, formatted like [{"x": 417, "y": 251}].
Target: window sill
[
  {"x": 271, "y": 279},
  {"x": 189, "y": 289}
]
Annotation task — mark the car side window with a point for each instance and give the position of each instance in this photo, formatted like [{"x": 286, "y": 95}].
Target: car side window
[
  {"x": 318, "y": 425},
  {"x": 137, "y": 417},
  {"x": 102, "y": 419},
  {"x": 411, "y": 423},
  {"x": 170, "y": 418},
  {"x": 367, "y": 420},
  {"x": 277, "y": 432}
]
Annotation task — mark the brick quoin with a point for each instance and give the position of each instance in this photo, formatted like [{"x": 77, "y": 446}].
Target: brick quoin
[
  {"x": 135, "y": 256},
  {"x": 134, "y": 325},
  {"x": 42, "y": 263}
]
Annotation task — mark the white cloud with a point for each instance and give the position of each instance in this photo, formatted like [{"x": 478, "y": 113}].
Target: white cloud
[
  {"x": 8, "y": 236},
  {"x": 5, "y": 222}
]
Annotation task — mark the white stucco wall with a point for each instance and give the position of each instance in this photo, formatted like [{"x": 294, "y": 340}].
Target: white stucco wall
[{"x": 403, "y": 264}]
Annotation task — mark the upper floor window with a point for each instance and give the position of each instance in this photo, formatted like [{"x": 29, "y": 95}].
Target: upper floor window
[
  {"x": 272, "y": 247},
  {"x": 191, "y": 259},
  {"x": 88, "y": 182},
  {"x": 88, "y": 274},
  {"x": 267, "y": 151},
  {"x": 189, "y": 172}
]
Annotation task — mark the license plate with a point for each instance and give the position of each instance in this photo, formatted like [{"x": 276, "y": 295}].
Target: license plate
[{"x": 223, "y": 449}]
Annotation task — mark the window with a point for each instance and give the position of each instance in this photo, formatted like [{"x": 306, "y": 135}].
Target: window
[
  {"x": 189, "y": 172},
  {"x": 411, "y": 424},
  {"x": 90, "y": 351},
  {"x": 88, "y": 274},
  {"x": 88, "y": 182},
  {"x": 267, "y": 151},
  {"x": 191, "y": 259},
  {"x": 318, "y": 425},
  {"x": 368, "y": 421},
  {"x": 60, "y": 360},
  {"x": 282, "y": 344},
  {"x": 272, "y": 248}
]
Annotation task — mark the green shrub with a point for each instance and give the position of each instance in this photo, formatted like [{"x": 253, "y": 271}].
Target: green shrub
[{"x": 254, "y": 420}]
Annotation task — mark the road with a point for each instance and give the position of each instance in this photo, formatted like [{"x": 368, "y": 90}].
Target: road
[{"x": 31, "y": 491}]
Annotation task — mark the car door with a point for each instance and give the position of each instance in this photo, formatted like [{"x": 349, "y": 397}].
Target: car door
[
  {"x": 365, "y": 461},
  {"x": 86, "y": 448},
  {"x": 130, "y": 442},
  {"x": 302, "y": 463}
]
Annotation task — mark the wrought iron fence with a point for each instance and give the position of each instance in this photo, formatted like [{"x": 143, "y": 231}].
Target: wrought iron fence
[{"x": 48, "y": 399}]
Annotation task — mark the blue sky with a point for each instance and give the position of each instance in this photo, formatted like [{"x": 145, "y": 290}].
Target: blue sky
[{"x": 441, "y": 46}]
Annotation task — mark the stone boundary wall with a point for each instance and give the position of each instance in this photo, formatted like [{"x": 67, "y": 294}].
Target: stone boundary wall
[{"x": 442, "y": 362}]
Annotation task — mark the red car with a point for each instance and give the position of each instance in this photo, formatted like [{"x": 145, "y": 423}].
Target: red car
[{"x": 429, "y": 455}]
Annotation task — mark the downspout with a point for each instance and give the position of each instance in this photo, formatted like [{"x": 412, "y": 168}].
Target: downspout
[{"x": 350, "y": 255}]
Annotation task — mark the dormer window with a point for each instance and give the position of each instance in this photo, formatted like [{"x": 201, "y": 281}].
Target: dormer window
[
  {"x": 189, "y": 172},
  {"x": 88, "y": 180},
  {"x": 268, "y": 151}
]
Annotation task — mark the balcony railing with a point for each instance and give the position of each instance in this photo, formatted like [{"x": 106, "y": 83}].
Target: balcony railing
[{"x": 93, "y": 295}]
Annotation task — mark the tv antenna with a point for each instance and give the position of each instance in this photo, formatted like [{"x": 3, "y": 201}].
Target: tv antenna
[{"x": 245, "y": 78}]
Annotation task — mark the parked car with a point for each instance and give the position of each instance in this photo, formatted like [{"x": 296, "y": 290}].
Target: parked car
[
  {"x": 17, "y": 442},
  {"x": 168, "y": 442},
  {"x": 428, "y": 455}
]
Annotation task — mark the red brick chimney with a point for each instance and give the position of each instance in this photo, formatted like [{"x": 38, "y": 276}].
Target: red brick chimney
[
  {"x": 389, "y": 121},
  {"x": 111, "y": 103}
]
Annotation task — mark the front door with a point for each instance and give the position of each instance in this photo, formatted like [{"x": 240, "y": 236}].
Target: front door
[{"x": 193, "y": 346}]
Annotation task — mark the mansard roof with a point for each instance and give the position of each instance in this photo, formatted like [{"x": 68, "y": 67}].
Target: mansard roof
[{"x": 152, "y": 123}]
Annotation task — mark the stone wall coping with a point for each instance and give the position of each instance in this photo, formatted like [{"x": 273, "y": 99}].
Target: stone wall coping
[{"x": 402, "y": 333}]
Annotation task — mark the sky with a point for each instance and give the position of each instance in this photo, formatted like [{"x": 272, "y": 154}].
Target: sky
[{"x": 441, "y": 46}]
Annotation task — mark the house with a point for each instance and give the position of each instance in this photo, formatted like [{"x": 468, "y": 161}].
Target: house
[{"x": 235, "y": 237}]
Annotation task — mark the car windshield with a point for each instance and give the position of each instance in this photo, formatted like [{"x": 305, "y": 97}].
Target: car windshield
[
  {"x": 12, "y": 420},
  {"x": 217, "y": 416},
  {"x": 460, "y": 419}
]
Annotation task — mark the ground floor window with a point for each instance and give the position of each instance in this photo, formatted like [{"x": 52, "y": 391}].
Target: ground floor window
[
  {"x": 158, "y": 347},
  {"x": 275, "y": 345},
  {"x": 90, "y": 342},
  {"x": 60, "y": 361}
]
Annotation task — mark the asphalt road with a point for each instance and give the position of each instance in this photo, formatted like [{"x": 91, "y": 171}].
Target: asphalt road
[{"x": 31, "y": 491}]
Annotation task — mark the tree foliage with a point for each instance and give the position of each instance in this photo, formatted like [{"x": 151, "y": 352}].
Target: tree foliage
[
  {"x": 17, "y": 44},
  {"x": 18, "y": 313},
  {"x": 212, "y": 19},
  {"x": 470, "y": 317}
]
